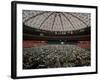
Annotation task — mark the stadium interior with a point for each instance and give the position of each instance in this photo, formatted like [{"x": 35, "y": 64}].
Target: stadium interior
[{"x": 56, "y": 39}]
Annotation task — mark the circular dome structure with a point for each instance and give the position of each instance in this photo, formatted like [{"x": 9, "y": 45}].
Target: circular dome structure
[{"x": 56, "y": 21}]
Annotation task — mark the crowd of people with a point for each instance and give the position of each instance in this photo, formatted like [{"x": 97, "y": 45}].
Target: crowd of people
[{"x": 55, "y": 56}]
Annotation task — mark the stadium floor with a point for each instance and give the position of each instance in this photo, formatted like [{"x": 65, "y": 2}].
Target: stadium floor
[{"x": 55, "y": 56}]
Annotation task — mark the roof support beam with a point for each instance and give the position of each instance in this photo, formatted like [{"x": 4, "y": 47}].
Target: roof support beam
[
  {"x": 45, "y": 20},
  {"x": 68, "y": 20},
  {"x": 78, "y": 19},
  {"x": 34, "y": 16},
  {"x": 61, "y": 21},
  {"x": 53, "y": 21}
]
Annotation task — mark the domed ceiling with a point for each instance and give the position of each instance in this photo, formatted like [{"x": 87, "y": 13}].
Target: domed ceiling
[{"x": 56, "y": 21}]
